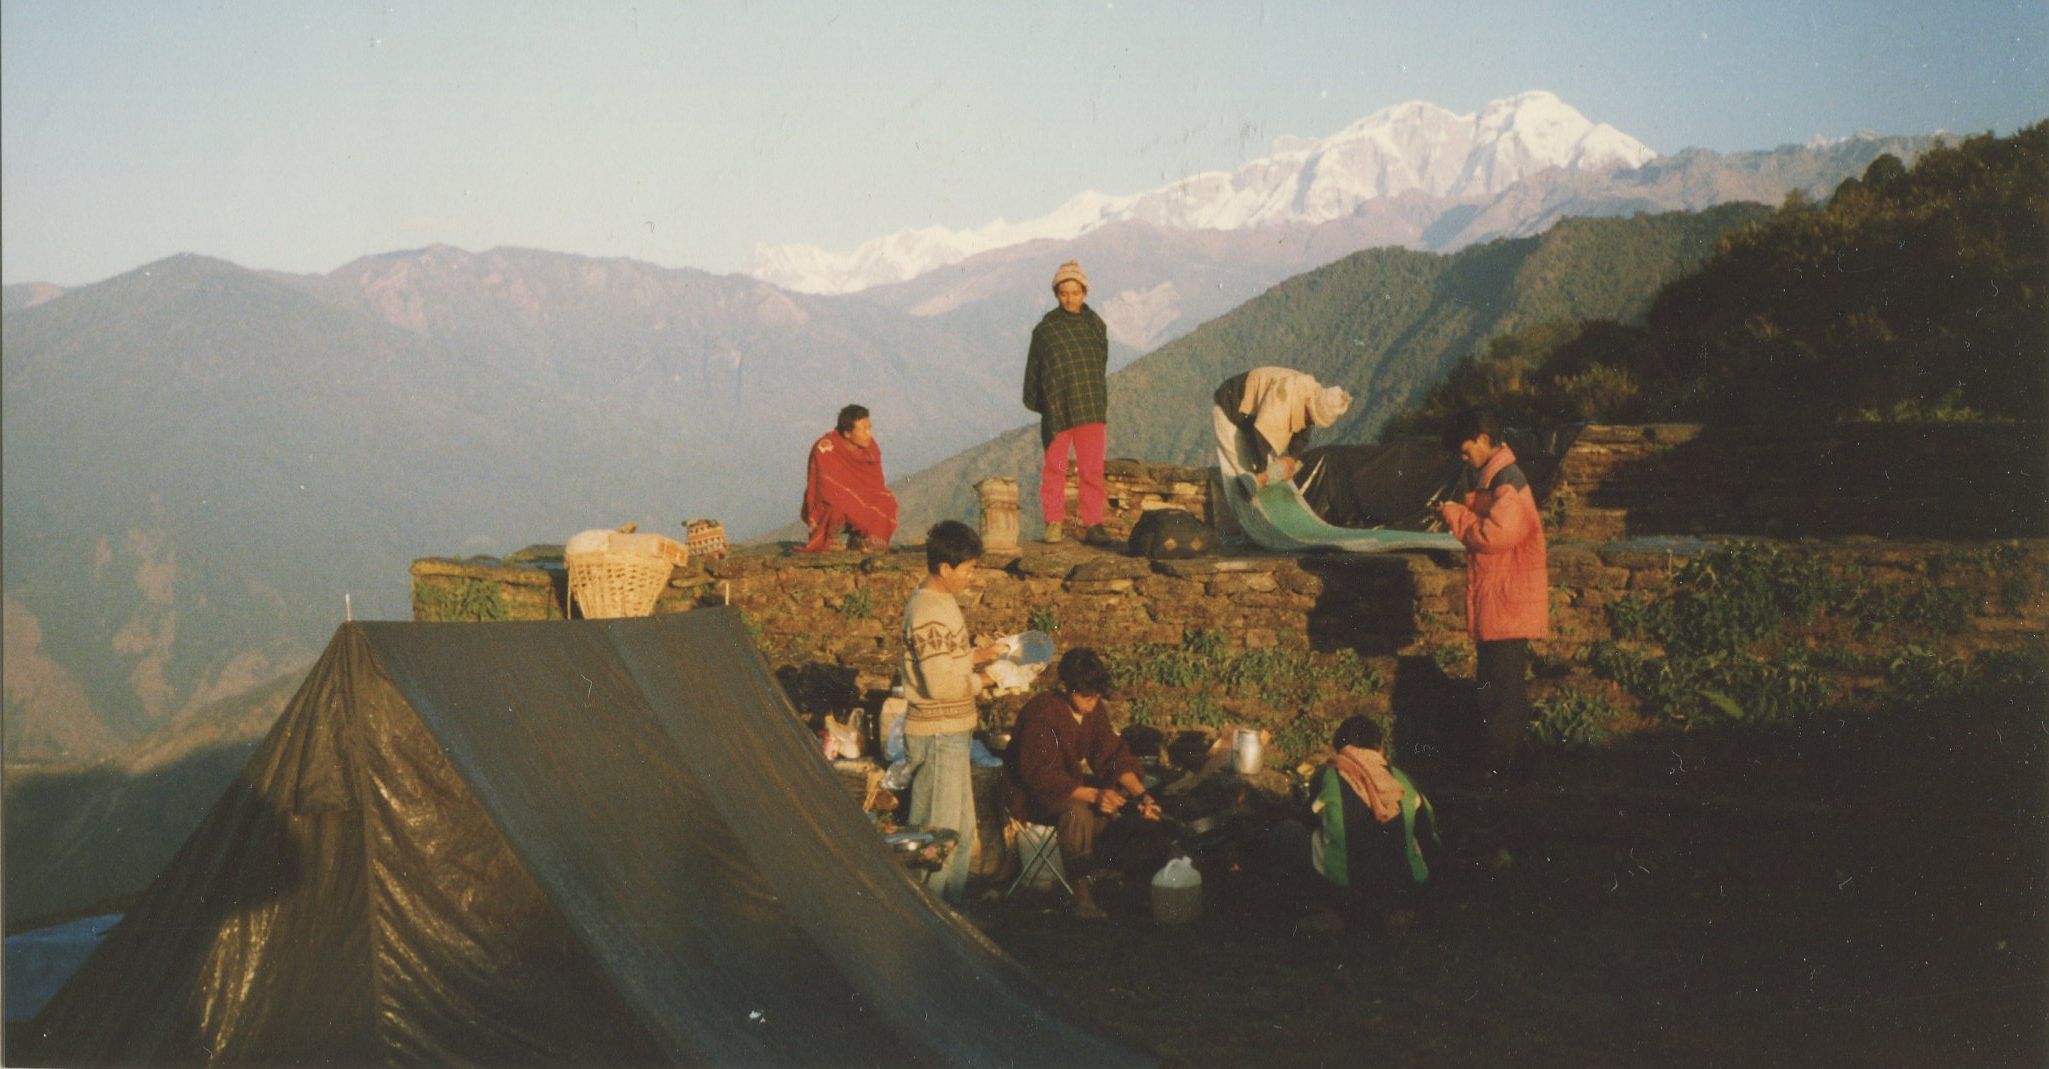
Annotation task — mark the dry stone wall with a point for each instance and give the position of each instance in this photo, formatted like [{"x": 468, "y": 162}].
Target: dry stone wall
[
  {"x": 1922, "y": 521},
  {"x": 1886, "y": 480},
  {"x": 833, "y": 619},
  {"x": 1602, "y": 482}
]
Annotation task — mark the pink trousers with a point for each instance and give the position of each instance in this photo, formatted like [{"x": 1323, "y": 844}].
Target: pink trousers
[{"x": 1087, "y": 442}]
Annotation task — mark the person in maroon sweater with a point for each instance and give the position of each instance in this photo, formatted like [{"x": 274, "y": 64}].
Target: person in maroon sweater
[{"x": 1066, "y": 767}]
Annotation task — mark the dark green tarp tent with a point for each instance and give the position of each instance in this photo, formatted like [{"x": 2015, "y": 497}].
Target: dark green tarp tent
[{"x": 575, "y": 842}]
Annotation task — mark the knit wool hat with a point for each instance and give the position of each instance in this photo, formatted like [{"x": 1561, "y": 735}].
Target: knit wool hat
[{"x": 1070, "y": 272}]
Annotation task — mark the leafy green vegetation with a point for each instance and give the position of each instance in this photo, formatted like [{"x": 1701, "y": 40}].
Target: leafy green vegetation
[
  {"x": 1202, "y": 711},
  {"x": 1716, "y": 688},
  {"x": 1203, "y": 661},
  {"x": 1573, "y": 718},
  {"x": 1910, "y": 296},
  {"x": 1923, "y": 609},
  {"x": 1724, "y": 655},
  {"x": 856, "y": 604},
  {"x": 459, "y": 599},
  {"x": 2006, "y": 563},
  {"x": 1184, "y": 685},
  {"x": 1306, "y": 735},
  {"x": 1918, "y": 674},
  {"x": 1724, "y": 600}
]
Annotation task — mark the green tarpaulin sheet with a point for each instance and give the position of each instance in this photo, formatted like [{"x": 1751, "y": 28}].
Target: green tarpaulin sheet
[{"x": 1278, "y": 518}]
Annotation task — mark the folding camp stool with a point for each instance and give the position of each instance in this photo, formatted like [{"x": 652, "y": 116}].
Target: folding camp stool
[{"x": 1038, "y": 847}]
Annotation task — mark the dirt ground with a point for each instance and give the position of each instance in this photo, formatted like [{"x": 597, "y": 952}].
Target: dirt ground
[{"x": 1862, "y": 893}]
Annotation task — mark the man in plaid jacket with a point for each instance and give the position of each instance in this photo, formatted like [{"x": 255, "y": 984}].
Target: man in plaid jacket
[{"x": 1064, "y": 384}]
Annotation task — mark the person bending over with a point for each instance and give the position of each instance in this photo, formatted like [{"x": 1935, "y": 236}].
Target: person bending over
[
  {"x": 1262, "y": 419},
  {"x": 1066, "y": 767},
  {"x": 844, "y": 486}
]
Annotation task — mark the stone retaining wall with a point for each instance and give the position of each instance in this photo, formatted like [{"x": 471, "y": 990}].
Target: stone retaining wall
[
  {"x": 837, "y": 615},
  {"x": 1130, "y": 487},
  {"x": 1886, "y": 480},
  {"x": 1601, "y": 482}
]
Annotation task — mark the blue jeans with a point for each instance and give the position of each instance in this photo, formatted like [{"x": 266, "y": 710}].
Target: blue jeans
[{"x": 943, "y": 796}]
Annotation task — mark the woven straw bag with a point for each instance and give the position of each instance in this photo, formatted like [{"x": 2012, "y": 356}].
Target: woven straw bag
[{"x": 606, "y": 584}]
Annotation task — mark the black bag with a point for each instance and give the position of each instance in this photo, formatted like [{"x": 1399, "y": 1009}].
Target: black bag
[{"x": 1171, "y": 534}]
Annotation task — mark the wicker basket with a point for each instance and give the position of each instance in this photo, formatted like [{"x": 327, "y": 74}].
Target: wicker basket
[{"x": 606, "y": 584}]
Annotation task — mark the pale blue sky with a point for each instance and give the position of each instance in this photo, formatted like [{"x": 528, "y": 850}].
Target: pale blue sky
[{"x": 298, "y": 136}]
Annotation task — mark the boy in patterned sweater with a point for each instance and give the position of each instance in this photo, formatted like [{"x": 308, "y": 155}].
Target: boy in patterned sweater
[{"x": 942, "y": 676}]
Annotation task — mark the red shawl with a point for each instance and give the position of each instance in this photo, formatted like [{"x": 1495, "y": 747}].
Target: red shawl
[{"x": 845, "y": 483}]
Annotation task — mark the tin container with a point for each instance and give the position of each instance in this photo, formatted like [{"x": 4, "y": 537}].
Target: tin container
[{"x": 1247, "y": 752}]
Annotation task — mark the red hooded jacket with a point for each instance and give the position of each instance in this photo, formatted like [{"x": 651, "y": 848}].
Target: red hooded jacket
[{"x": 1508, "y": 586}]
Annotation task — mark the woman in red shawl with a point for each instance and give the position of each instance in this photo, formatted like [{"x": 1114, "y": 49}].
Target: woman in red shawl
[{"x": 844, "y": 486}]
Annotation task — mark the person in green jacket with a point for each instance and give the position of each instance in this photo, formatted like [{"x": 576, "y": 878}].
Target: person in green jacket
[
  {"x": 1064, "y": 383},
  {"x": 1373, "y": 829}
]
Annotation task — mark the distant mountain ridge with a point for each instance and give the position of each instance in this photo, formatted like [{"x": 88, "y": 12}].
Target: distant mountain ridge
[
  {"x": 1412, "y": 148},
  {"x": 203, "y": 464},
  {"x": 28, "y": 295},
  {"x": 1154, "y": 283}
]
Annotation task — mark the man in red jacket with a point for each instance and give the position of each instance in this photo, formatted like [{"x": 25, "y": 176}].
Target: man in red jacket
[
  {"x": 1508, "y": 588},
  {"x": 1066, "y": 766}
]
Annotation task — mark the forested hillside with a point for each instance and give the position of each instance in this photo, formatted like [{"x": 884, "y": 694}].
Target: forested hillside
[
  {"x": 1387, "y": 324},
  {"x": 1911, "y": 294}
]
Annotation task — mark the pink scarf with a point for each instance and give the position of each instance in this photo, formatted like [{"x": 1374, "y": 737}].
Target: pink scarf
[{"x": 1365, "y": 771}]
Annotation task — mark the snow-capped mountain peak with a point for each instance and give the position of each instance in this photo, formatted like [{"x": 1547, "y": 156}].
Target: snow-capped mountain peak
[{"x": 1413, "y": 147}]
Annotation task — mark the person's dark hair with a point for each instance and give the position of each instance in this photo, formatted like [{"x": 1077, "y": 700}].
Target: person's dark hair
[
  {"x": 1471, "y": 423},
  {"x": 951, "y": 542},
  {"x": 1082, "y": 671},
  {"x": 849, "y": 416},
  {"x": 1361, "y": 731}
]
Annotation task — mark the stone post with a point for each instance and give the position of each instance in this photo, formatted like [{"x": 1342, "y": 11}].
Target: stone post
[{"x": 999, "y": 514}]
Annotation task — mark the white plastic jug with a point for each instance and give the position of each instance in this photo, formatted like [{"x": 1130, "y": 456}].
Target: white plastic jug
[{"x": 1177, "y": 892}]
